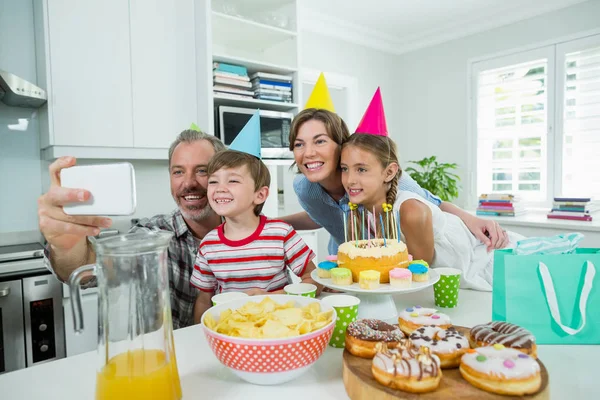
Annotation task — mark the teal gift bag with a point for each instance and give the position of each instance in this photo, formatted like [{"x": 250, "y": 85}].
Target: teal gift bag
[{"x": 556, "y": 297}]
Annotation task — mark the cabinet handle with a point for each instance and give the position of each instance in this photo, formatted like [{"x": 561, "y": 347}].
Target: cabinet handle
[{"x": 4, "y": 292}]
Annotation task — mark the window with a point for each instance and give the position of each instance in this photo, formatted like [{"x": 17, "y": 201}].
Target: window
[{"x": 537, "y": 122}]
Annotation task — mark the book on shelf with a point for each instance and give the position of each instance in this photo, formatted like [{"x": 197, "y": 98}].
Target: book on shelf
[
  {"x": 270, "y": 76},
  {"x": 229, "y": 89},
  {"x": 499, "y": 213},
  {"x": 232, "y": 82},
  {"x": 271, "y": 97},
  {"x": 272, "y": 91},
  {"x": 229, "y": 75},
  {"x": 571, "y": 218},
  {"x": 498, "y": 197},
  {"x": 223, "y": 95},
  {"x": 270, "y": 82},
  {"x": 272, "y": 87},
  {"x": 570, "y": 213},
  {"x": 573, "y": 199},
  {"x": 231, "y": 68}
]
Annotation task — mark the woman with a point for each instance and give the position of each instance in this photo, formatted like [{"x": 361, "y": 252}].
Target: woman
[{"x": 316, "y": 139}]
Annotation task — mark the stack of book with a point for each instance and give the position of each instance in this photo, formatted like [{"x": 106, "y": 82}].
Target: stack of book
[
  {"x": 231, "y": 80},
  {"x": 272, "y": 87},
  {"x": 573, "y": 208},
  {"x": 496, "y": 204}
]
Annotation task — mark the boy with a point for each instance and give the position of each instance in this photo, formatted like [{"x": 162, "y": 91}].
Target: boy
[{"x": 248, "y": 252}]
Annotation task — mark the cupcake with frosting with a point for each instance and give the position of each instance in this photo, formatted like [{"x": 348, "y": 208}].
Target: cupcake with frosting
[{"x": 419, "y": 270}]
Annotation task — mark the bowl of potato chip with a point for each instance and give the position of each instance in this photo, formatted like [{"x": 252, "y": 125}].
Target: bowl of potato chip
[{"x": 267, "y": 340}]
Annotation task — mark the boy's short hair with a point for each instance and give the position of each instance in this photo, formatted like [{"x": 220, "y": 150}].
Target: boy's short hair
[{"x": 233, "y": 159}]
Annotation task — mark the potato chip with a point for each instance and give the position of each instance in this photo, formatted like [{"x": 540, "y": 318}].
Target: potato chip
[
  {"x": 289, "y": 316},
  {"x": 210, "y": 322},
  {"x": 269, "y": 319},
  {"x": 275, "y": 329}
]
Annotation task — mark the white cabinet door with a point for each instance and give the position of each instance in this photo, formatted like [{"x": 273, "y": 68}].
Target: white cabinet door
[
  {"x": 163, "y": 70},
  {"x": 311, "y": 240},
  {"x": 88, "y": 339},
  {"x": 90, "y": 73}
]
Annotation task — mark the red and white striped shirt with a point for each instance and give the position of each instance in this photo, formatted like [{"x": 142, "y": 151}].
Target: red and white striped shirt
[{"x": 256, "y": 262}]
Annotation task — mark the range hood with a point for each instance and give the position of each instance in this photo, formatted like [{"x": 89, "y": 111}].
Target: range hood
[{"x": 18, "y": 92}]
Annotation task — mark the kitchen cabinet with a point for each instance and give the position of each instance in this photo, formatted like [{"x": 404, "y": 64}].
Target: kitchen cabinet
[
  {"x": 88, "y": 74},
  {"x": 163, "y": 70},
  {"x": 121, "y": 76}
]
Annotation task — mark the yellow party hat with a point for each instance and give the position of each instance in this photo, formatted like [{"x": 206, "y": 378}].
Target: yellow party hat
[{"x": 320, "y": 97}]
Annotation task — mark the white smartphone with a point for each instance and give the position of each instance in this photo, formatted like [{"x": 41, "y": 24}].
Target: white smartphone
[{"x": 112, "y": 188}]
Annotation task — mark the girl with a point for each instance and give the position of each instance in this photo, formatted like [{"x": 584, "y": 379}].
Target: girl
[{"x": 370, "y": 172}]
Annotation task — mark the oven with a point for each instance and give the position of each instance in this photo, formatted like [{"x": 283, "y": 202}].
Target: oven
[{"x": 31, "y": 312}]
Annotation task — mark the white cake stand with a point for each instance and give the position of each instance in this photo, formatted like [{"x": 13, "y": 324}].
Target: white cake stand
[{"x": 378, "y": 303}]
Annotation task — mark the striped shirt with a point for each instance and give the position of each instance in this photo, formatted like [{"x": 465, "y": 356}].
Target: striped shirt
[
  {"x": 256, "y": 262},
  {"x": 327, "y": 212}
]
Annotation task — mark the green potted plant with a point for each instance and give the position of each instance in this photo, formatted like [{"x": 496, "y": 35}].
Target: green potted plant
[{"x": 436, "y": 177}]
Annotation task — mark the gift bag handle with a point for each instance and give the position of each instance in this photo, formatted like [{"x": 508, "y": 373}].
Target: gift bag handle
[{"x": 551, "y": 296}]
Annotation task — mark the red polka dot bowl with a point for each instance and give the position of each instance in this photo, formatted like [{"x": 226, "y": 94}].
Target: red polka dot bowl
[{"x": 268, "y": 361}]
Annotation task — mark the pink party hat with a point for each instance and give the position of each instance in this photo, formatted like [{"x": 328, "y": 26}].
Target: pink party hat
[{"x": 373, "y": 121}]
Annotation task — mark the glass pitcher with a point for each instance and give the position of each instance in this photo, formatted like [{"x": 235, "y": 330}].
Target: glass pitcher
[{"x": 136, "y": 353}]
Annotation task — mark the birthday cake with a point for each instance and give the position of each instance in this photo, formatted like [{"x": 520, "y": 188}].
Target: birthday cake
[{"x": 374, "y": 254}]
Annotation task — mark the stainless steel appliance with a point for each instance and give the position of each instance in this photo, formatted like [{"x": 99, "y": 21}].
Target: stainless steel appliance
[
  {"x": 18, "y": 92},
  {"x": 31, "y": 312},
  {"x": 274, "y": 128}
]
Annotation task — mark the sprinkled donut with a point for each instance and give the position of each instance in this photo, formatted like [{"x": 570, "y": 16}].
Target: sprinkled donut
[
  {"x": 448, "y": 344},
  {"x": 501, "y": 370},
  {"x": 504, "y": 333},
  {"x": 363, "y": 335},
  {"x": 412, "y": 318},
  {"x": 407, "y": 367}
]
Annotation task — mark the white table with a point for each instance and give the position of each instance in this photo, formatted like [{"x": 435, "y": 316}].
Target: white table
[{"x": 572, "y": 369}]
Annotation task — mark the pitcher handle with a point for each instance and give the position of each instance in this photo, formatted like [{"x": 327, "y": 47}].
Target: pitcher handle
[{"x": 75, "y": 287}]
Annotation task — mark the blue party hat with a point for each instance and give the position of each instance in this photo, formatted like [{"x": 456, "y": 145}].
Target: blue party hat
[{"x": 248, "y": 140}]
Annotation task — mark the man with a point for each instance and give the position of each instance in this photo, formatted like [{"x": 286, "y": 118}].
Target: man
[{"x": 67, "y": 235}]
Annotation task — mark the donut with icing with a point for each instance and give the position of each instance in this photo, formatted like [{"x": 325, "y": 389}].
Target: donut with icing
[
  {"x": 448, "y": 344},
  {"x": 501, "y": 370},
  {"x": 363, "y": 335},
  {"x": 504, "y": 333},
  {"x": 412, "y": 318},
  {"x": 407, "y": 367}
]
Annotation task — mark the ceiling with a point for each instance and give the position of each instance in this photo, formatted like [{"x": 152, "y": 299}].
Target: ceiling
[{"x": 399, "y": 26}]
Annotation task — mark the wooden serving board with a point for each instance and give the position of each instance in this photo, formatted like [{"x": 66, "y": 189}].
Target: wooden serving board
[{"x": 360, "y": 384}]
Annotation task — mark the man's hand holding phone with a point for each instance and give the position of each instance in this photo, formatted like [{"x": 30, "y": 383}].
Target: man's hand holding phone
[{"x": 64, "y": 231}]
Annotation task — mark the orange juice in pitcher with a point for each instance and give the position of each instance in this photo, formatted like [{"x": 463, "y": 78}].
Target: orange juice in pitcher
[
  {"x": 135, "y": 335},
  {"x": 139, "y": 374}
]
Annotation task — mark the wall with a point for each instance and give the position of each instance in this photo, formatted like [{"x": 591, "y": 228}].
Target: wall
[
  {"x": 430, "y": 90},
  {"x": 20, "y": 169},
  {"x": 372, "y": 68}
]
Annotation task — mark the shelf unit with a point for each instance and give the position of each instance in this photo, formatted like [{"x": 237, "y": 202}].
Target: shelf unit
[{"x": 241, "y": 35}]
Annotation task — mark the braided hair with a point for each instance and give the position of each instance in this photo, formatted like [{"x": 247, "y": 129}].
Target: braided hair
[{"x": 384, "y": 149}]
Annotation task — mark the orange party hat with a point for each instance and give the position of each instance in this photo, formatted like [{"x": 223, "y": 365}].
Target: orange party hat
[{"x": 373, "y": 121}]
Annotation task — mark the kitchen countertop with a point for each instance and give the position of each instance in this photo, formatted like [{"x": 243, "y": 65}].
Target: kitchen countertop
[{"x": 571, "y": 368}]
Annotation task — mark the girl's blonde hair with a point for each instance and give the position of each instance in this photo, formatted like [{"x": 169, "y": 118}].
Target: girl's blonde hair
[{"x": 386, "y": 152}]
